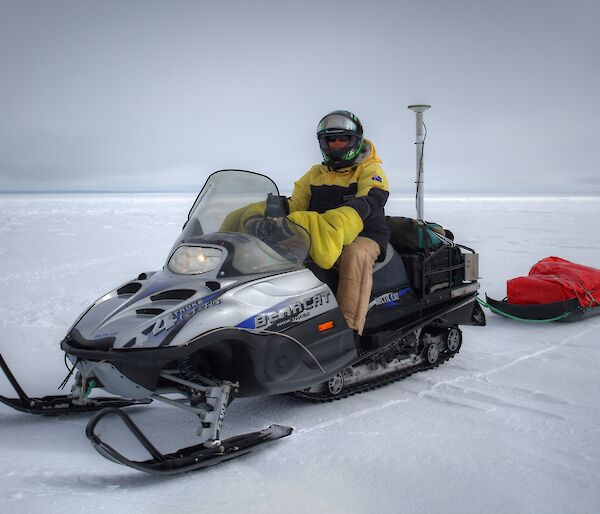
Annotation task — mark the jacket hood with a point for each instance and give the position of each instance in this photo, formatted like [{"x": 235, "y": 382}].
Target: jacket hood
[{"x": 368, "y": 154}]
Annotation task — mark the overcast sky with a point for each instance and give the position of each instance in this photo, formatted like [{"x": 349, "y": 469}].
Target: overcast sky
[{"x": 143, "y": 95}]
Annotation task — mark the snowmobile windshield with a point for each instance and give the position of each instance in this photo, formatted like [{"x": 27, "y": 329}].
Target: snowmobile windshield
[{"x": 243, "y": 213}]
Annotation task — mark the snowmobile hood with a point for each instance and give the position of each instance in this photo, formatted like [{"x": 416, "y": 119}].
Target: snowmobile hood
[
  {"x": 168, "y": 310},
  {"x": 130, "y": 313}
]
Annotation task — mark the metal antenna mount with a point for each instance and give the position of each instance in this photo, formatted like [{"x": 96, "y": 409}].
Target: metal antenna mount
[{"x": 419, "y": 109}]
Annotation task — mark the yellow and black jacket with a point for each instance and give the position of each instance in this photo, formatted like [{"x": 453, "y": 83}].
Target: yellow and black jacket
[{"x": 337, "y": 206}]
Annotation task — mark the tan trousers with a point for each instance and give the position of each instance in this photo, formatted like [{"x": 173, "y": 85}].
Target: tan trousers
[{"x": 355, "y": 267}]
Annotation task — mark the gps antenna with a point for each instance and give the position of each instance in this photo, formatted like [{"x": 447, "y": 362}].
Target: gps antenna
[{"x": 421, "y": 131}]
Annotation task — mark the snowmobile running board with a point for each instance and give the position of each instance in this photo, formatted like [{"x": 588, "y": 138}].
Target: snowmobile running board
[
  {"x": 185, "y": 459},
  {"x": 58, "y": 404}
]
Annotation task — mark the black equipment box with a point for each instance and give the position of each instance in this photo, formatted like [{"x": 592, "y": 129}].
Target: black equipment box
[{"x": 444, "y": 267}]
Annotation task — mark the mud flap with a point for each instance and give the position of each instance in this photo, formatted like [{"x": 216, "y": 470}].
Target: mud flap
[{"x": 478, "y": 316}]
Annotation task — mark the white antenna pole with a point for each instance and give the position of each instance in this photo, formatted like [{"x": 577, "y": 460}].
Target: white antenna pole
[{"x": 419, "y": 109}]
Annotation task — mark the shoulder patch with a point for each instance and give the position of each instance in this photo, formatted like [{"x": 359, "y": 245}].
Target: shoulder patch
[{"x": 376, "y": 178}]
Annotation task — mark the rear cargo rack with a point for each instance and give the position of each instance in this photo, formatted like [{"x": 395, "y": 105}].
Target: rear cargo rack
[{"x": 447, "y": 266}]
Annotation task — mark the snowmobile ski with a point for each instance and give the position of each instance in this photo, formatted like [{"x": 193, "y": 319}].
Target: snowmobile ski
[
  {"x": 58, "y": 404},
  {"x": 185, "y": 459}
]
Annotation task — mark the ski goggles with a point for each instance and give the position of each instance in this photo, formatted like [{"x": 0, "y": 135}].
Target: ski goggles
[{"x": 343, "y": 138}]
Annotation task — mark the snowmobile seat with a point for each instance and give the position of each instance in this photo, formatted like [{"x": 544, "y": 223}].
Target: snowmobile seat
[{"x": 389, "y": 274}]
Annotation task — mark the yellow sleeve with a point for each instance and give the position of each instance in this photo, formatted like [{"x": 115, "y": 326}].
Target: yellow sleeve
[
  {"x": 300, "y": 199},
  {"x": 236, "y": 220},
  {"x": 329, "y": 232},
  {"x": 372, "y": 191},
  {"x": 372, "y": 177}
]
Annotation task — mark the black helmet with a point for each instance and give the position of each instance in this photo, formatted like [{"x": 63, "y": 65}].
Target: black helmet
[{"x": 340, "y": 123}]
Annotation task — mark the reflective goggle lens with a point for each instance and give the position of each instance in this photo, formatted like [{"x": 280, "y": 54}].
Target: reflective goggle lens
[
  {"x": 343, "y": 139},
  {"x": 336, "y": 122}
]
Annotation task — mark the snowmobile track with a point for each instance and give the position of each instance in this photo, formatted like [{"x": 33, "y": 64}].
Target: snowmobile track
[{"x": 374, "y": 383}]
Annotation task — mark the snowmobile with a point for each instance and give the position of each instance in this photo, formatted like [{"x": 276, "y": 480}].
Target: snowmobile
[{"x": 245, "y": 313}]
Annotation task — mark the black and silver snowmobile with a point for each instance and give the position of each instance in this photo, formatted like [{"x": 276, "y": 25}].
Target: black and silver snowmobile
[{"x": 236, "y": 314}]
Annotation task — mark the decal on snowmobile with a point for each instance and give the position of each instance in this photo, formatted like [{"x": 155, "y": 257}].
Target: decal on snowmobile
[
  {"x": 186, "y": 312},
  {"x": 389, "y": 299},
  {"x": 285, "y": 313}
]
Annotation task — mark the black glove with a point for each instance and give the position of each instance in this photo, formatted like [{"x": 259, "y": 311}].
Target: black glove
[
  {"x": 276, "y": 206},
  {"x": 280, "y": 235},
  {"x": 273, "y": 229}
]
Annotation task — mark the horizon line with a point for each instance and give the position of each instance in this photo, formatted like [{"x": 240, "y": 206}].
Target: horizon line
[{"x": 409, "y": 193}]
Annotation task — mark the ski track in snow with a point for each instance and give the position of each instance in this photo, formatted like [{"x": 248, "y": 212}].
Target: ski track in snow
[
  {"x": 471, "y": 394},
  {"x": 511, "y": 423},
  {"x": 486, "y": 374},
  {"x": 349, "y": 417},
  {"x": 487, "y": 400}
]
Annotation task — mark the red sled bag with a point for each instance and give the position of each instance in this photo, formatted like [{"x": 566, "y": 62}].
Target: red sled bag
[
  {"x": 554, "y": 289},
  {"x": 555, "y": 280}
]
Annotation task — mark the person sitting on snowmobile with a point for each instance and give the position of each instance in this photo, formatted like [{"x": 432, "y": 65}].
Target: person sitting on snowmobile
[{"x": 340, "y": 202}]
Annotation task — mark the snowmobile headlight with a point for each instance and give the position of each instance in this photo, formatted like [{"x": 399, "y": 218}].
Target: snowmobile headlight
[{"x": 191, "y": 260}]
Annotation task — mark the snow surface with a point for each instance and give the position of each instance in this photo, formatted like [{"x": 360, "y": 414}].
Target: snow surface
[{"x": 511, "y": 424}]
